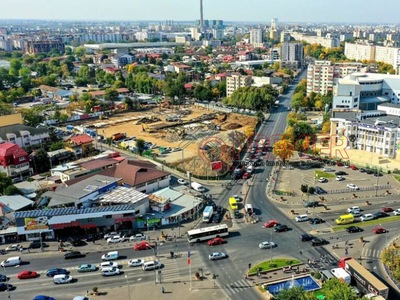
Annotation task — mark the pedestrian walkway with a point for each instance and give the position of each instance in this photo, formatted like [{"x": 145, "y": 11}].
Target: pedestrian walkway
[
  {"x": 237, "y": 287},
  {"x": 371, "y": 253}
]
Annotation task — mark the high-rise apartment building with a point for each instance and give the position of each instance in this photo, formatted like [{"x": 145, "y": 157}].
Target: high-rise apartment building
[
  {"x": 363, "y": 51},
  {"x": 285, "y": 37},
  {"x": 218, "y": 34},
  {"x": 323, "y": 75},
  {"x": 326, "y": 42},
  {"x": 34, "y": 47},
  {"x": 256, "y": 37},
  {"x": 235, "y": 81},
  {"x": 292, "y": 52}
]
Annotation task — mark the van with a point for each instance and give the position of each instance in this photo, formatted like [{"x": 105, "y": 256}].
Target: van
[
  {"x": 11, "y": 262},
  {"x": 151, "y": 265},
  {"x": 345, "y": 219},
  {"x": 110, "y": 255},
  {"x": 326, "y": 275},
  {"x": 197, "y": 187},
  {"x": 62, "y": 278},
  {"x": 342, "y": 275},
  {"x": 233, "y": 203}
]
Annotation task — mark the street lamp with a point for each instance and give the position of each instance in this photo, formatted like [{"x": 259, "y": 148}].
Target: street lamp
[{"x": 129, "y": 289}]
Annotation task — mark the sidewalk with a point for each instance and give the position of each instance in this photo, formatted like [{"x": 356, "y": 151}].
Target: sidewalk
[{"x": 202, "y": 290}]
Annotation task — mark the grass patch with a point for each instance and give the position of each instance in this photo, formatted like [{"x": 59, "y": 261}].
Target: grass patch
[
  {"x": 324, "y": 174},
  {"x": 397, "y": 177},
  {"x": 274, "y": 264},
  {"x": 366, "y": 223},
  {"x": 261, "y": 289},
  {"x": 283, "y": 193}
]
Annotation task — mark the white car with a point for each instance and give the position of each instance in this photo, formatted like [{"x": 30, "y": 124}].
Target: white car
[
  {"x": 115, "y": 239},
  {"x": 182, "y": 181},
  {"x": 267, "y": 245},
  {"x": 301, "y": 218},
  {"x": 237, "y": 198},
  {"x": 353, "y": 186},
  {"x": 367, "y": 217},
  {"x": 81, "y": 298},
  {"x": 217, "y": 255},
  {"x": 110, "y": 234},
  {"x": 396, "y": 212},
  {"x": 108, "y": 264},
  {"x": 339, "y": 178},
  {"x": 322, "y": 179},
  {"x": 138, "y": 237},
  {"x": 110, "y": 271},
  {"x": 356, "y": 213},
  {"x": 135, "y": 262},
  {"x": 353, "y": 209},
  {"x": 14, "y": 247},
  {"x": 327, "y": 170}
]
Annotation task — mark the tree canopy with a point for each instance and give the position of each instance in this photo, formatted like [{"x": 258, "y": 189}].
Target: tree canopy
[{"x": 255, "y": 98}]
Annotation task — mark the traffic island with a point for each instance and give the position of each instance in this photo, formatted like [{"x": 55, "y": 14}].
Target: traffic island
[{"x": 279, "y": 264}]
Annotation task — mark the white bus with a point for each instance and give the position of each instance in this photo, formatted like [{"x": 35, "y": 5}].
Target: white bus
[{"x": 207, "y": 233}]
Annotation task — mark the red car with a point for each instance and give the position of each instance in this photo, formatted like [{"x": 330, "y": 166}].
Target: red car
[
  {"x": 339, "y": 164},
  {"x": 246, "y": 176},
  {"x": 353, "y": 167},
  {"x": 142, "y": 246},
  {"x": 271, "y": 223},
  {"x": 379, "y": 230},
  {"x": 386, "y": 209},
  {"x": 216, "y": 241},
  {"x": 27, "y": 274}
]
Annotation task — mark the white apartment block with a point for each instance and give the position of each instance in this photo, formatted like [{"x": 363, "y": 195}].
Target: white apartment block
[
  {"x": 235, "y": 81},
  {"x": 285, "y": 37},
  {"x": 218, "y": 34},
  {"x": 362, "y": 51},
  {"x": 323, "y": 75},
  {"x": 376, "y": 134},
  {"x": 256, "y": 37},
  {"x": 326, "y": 42}
]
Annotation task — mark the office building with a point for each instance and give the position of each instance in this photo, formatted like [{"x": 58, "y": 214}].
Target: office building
[
  {"x": 323, "y": 75},
  {"x": 256, "y": 37}
]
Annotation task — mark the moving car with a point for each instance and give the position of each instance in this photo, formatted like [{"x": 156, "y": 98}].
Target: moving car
[
  {"x": 27, "y": 274},
  {"x": 73, "y": 254},
  {"x": 61, "y": 279},
  {"x": 108, "y": 264},
  {"x": 246, "y": 176},
  {"x": 5, "y": 286},
  {"x": 280, "y": 228},
  {"x": 367, "y": 217},
  {"x": 267, "y": 245},
  {"x": 271, "y": 223},
  {"x": 81, "y": 298},
  {"x": 380, "y": 214},
  {"x": 42, "y": 297},
  {"x": 115, "y": 239},
  {"x": 55, "y": 271},
  {"x": 217, "y": 255},
  {"x": 138, "y": 237},
  {"x": 3, "y": 278},
  {"x": 151, "y": 265},
  {"x": 379, "y": 230},
  {"x": 110, "y": 255},
  {"x": 396, "y": 212},
  {"x": 353, "y": 229},
  {"x": 312, "y": 204},
  {"x": 386, "y": 209},
  {"x": 216, "y": 241},
  {"x": 322, "y": 180},
  {"x": 318, "y": 242},
  {"x": 316, "y": 220},
  {"x": 353, "y": 209},
  {"x": 301, "y": 218},
  {"x": 135, "y": 262},
  {"x": 237, "y": 198},
  {"x": 110, "y": 271},
  {"x": 353, "y": 186},
  {"x": 182, "y": 181},
  {"x": 142, "y": 246},
  {"x": 86, "y": 268},
  {"x": 305, "y": 237}
]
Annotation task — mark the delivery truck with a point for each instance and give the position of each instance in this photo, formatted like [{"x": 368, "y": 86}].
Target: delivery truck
[
  {"x": 342, "y": 275},
  {"x": 365, "y": 280}
]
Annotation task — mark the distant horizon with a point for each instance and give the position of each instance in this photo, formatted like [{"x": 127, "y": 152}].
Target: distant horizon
[{"x": 302, "y": 11}]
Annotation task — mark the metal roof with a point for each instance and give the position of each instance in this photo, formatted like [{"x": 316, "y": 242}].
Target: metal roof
[
  {"x": 71, "y": 211},
  {"x": 123, "y": 195},
  {"x": 14, "y": 203}
]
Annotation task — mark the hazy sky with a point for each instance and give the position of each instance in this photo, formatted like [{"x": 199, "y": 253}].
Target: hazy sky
[{"x": 382, "y": 11}]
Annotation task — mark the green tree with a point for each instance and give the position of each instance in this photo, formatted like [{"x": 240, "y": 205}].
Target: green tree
[
  {"x": 56, "y": 146},
  {"x": 41, "y": 161},
  {"x": 129, "y": 103},
  {"x": 295, "y": 293},
  {"x": 140, "y": 146},
  {"x": 297, "y": 101},
  {"x": 12, "y": 190},
  {"x": 24, "y": 71},
  {"x": 301, "y": 130},
  {"x": 80, "y": 51},
  {"x": 119, "y": 84},
  {"x": 5, "y": 181},
  {"x": 15, "y": 66},
  {"x": 111, "y": 94},
  {"x": 335, "y": 289}
]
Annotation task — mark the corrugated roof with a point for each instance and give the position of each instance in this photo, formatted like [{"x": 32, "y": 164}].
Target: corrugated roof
[
  {"x": 14, "y": 203},
  {"x": 71, "y": 211},
  {"x": 123, "y": 195}
]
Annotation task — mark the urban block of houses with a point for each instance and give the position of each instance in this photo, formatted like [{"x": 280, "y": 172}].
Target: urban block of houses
[
  {"x": 80, "y": 145},
  {"x": 23, "y": 135},
  {"x": 122, "y": 59},
  {"x": 14, "y": 161}
]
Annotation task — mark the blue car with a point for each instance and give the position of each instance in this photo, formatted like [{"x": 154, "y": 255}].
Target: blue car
[
  {"x": 56, "y": 271},
  {"x": 41, "y": 297}
]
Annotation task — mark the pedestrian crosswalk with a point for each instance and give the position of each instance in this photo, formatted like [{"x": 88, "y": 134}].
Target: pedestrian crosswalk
[
  {"x": 236, "y": 287},
  {"x": 373, "y": 253}
]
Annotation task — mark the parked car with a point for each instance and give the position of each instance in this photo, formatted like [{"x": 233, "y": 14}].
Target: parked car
[
  {"x": 138, "y": 237},
  {"x": 353, "y": 167},
  {"x": 110, "y": 234},
  {"x": 367, "y": 217},
  {"x": 86, "y": 268},
  {"x": 267, "y": 245},
  {"x": 316, "y": 220},
  {"x": 43, "y": 297},
  {"x": 135, "y": 262},
  {"x": 236, "y": 214},
  {"x": 339, "y": 178},
  {"x": 379, "y": 230},
  {"x": 301, "y": 218},
  {"x": 322, "y": 180},
  {"x": 3, "y": 278},
  {"x": 353, "y": 229},
  {"x": 142, "y": 246},
  {"x": 305, "y": 237},
  {"x": 369, "y": 171},
  {"x": 271, "y": 223},
  {"x": 380, "y": 214},
  {"x": 319, "y": 190},
  {"x": 216, "y": 241},
  {"x": 115, "y": 239},
  {"x": 378, "y": 174},
  {"x": 14, "y": 247},
  {"x": 182, "y": 181},
  {"x": 318, "y": 242},
  {"x": 73, "y": 254},
  {"x": 386, "y": 209},
  {"x": 217, "y": 255},
  {"x": 27, "y": 274},
  {"x": 353, "y": 186},
  {"x": 55, "y": 271},
  {"x": 281, "y": 227},
  {"x": 215, "y": 218},
  {"x": 76, "y": 242},
  {"x": 312, "y": 204},
  {"x": 81, "y": 298},
  {"x": 5, "y": 286},
  {"x": 37, "y": 245},
  {"x": 246, "y": 176},
  {"x": 340, "y": 173},
  {"x": 339, "y": 164}
]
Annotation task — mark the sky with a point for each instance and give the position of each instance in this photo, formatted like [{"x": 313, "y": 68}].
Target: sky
[{"x": 338, "y": 11}]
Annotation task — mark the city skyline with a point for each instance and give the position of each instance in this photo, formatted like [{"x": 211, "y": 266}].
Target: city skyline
[{"x": 230, "y": 10}]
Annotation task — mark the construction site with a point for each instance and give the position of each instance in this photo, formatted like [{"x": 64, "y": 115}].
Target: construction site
[{"x": 187, "y": 137}]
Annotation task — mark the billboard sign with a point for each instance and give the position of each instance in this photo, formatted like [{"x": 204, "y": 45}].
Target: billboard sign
[
  {"x": 216, "y": 165},
  {"x": 38, "y": 223}
]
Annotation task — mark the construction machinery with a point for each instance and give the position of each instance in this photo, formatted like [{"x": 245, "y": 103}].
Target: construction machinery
[{"x": 146, "y": 128}]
